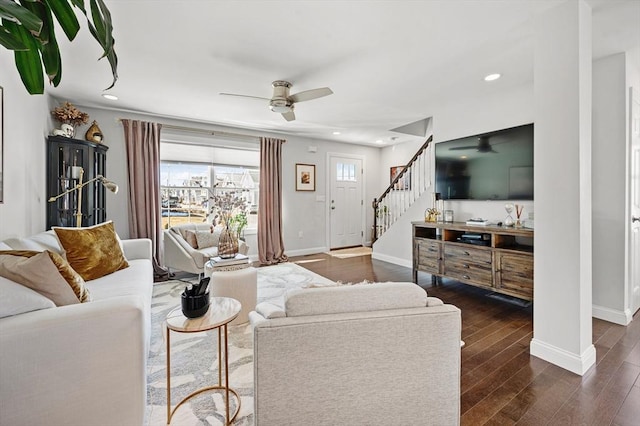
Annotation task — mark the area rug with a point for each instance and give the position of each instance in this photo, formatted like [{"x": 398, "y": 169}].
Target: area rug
[
  {"x": 350, "y": 252},
  {"x": 194, "y": 362}
]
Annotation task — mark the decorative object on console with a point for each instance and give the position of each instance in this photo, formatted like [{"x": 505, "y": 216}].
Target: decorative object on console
[
  {"x": 305, "y": 177},
  {"x": 447, "y": 216},
  {"x": 104, "y": 181},
  {"x": 508, "y": 221},
  {"x": 94, "y": 251},
  {"x": 70, "y": 117},
  {"x": 519, "y": 209},
  {"x": 94, "y": 134}
]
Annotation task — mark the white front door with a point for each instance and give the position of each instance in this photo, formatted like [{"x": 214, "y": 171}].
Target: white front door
[
  {"x": 345, "y": 202},
  {"x": 634, "y": 201}
]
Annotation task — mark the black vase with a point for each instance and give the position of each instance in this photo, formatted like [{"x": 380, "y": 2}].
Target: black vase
[{"x": 195, "y": 306}]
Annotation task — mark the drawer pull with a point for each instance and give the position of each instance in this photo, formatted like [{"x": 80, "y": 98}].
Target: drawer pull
[
  {"x": 466, "y": 253},
  {"x": 466, "y": 277},
  {"x": 464, "y": 265}
]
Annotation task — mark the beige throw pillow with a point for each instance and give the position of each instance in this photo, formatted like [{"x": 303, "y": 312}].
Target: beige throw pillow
[
  {"x": 207, "y": 238},
  {"x": 45, "y": 272},
  {"x": 190, "y": 238},
  {"x": 94, "y": 251}
]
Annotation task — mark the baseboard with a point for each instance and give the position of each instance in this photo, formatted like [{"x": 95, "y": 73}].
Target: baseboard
[
  {"x": 578, "y": 364},
  {"x": 391, "y": 259},
  {"x": 307, "y": 251},
  {"x": 612, "y": 315}
]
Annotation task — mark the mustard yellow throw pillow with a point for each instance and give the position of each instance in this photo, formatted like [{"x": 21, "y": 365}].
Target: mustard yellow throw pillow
[
  {"x": 94, "y": 251},
  {"x": 45, "y": 272}
]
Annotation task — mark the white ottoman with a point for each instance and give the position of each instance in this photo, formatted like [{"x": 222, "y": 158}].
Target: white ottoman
[{"x": 241, "y": 284}]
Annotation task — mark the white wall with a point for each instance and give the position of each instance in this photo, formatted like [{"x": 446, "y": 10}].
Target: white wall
[
  {"x": 302, "y": 212},
  {"x": 609, "y": 185},
  {"x": 26, "y": 125}
]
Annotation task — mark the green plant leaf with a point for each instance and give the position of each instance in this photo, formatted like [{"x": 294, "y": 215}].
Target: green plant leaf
[
  {"x": 28, "y": 61},
  {"x": 10, "y": 41},
  {"x": 102, "y": 30},
  {"x": 50, "y": 50},
  {"x": 66, "y": 17},
  {"x": 13, "y": 12}
]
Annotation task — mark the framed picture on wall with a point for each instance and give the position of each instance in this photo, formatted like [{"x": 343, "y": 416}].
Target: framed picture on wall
[
  {"x": 305, "y": 177},
  {"x": 1, "y": 146},
  {"x": 404, "y": 182}
]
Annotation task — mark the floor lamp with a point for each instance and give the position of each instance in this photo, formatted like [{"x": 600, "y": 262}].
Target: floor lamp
[{"x": 104, "y": 181}]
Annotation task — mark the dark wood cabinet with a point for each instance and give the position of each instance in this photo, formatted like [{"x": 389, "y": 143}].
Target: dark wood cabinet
[
  {"x": 65, "y": 157},
  {"x": 503, "y": 263}
]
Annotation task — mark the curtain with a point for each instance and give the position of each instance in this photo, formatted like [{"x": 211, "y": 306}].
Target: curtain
[
  {"x": 142, "y": 140},
  {"x": 270, "y": 244}
]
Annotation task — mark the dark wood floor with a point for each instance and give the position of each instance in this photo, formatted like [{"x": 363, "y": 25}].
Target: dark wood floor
[{"x": 501, "y": 383}]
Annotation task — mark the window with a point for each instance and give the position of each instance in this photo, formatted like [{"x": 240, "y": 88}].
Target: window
[
  {"x": 345, "y": 172},
  {"x": 186, "y": 187}
]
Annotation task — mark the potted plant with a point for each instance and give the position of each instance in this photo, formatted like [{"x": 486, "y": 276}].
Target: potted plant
[{"x": 27, "y": 28}]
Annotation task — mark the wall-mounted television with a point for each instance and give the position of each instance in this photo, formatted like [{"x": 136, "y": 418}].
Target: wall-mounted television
[{"x": 491, "y": 166}]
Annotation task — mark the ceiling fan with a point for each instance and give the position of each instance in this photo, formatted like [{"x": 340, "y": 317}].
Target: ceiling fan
[
  {"x": 483, "y": 146},
  {"x": 282, "y": 102}
]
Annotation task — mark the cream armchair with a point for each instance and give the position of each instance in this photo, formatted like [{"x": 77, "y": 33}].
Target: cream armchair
[
  {"x": 374, "y": 354},
  {"x": 180, "y": 255}
]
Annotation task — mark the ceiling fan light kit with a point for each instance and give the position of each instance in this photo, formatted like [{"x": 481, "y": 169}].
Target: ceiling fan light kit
[{"x": 283, "y": 103}]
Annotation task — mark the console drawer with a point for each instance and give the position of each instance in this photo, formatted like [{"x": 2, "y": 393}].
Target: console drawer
[
  {"x": 514, "y": 274},
  {"x": 467, "y": 254},
  {"x": 428, "y": 255},
  {"x": 468, "y": 264}
]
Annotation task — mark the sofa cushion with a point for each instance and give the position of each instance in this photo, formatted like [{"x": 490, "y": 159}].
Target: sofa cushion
[
  {"x": 190, "y": 237},
  {"x": 353, "y": 298},
  {"x": 94, "y": 251},
  {"x": 16, "y": 299},
  {"x": 45, "y": 272},
  {"x": 208, "y": 239}
]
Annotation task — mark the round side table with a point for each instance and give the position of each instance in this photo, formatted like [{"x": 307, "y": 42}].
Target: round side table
[{"x": 222, "y": 311}]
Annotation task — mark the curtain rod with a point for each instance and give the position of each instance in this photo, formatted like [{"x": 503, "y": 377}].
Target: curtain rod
[{"x": 208, "y": 132}]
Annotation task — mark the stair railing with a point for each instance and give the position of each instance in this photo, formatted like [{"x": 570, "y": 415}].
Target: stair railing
[{"x": 406, "y": 187}]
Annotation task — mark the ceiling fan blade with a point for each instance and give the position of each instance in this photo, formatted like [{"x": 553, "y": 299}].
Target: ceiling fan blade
[
  {"x": 245, "y": 96},
  {"x": 289, "y": 116},
  {"x": 463, "y": 147},
  {"x": 308, "y": 95}
]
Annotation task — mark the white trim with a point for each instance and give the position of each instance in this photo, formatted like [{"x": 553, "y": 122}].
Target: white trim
[
  {"x": 363, "y": 188},
  {"x": 612, "y": 315},
  {"x": 391, "y": 259},
  {"x": 307, "y": 251},
  {"x": 578, "y": 364}
]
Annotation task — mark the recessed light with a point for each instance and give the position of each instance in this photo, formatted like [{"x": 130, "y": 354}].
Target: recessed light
[
  {"x": 110, "y": 96},
  {"x": 492, "y": 77},
  {"x": 336, "y": 133}
]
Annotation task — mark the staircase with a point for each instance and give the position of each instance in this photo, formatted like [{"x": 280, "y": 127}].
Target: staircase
[{"x": 408, "y": 185}]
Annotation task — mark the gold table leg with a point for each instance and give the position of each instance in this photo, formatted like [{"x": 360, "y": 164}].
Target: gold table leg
[{"x": 219, "y": 387}]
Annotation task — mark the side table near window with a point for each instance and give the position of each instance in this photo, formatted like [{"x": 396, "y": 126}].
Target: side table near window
[
  {"x": 222, "y": 311},
  {"x": 239, "y": 282}
]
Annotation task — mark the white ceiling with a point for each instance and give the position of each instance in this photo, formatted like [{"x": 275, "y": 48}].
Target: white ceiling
[{"x": 389, "y": 63}]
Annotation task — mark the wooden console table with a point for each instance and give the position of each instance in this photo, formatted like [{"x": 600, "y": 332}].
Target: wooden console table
[{"x": 504, "y": 265}]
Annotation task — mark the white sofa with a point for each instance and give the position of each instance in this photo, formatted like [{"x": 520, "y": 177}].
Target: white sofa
[
  {"x": 180, "y": 255},
  {"x": 377, "y": 354},
  {"x": 81, "y": 364}
]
